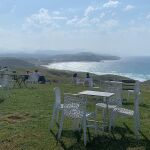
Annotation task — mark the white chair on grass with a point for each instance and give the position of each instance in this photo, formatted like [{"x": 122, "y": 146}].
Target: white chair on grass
[
  {"x": 57, "y": 106},
  {"x": 89, "y": 82},
  {"x": 75, "y": 108},
  {"x": 77, "y": 81},
  {"x": 127, "y": 112},
  {"x": 6, "y": 83},
  {"x": 113, "y": 102}
]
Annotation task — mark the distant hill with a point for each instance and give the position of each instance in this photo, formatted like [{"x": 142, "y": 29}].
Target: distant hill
[
  {"x": 15, "y": 63},
  {"x": 37, "y": 58},
  {"x": 84, "y": 56}
]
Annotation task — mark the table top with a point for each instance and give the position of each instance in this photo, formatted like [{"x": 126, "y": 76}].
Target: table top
[{"x": 96, "y": 93}]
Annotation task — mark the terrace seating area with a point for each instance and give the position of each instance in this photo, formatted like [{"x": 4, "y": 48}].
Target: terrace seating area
[
  {"x": 11, "y": 79},
  {"x": 108, "y": 106},
  {"x": 69, "y": 116}
]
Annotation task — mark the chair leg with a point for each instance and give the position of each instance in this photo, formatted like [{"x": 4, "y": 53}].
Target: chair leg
[
  {"x": 57, "y": 116},
  {"x": 103, "y": 118},
  {"x": 112, "y": 120},
  {"x": 61, "y": 125},
  {"x": 128, "y": 95},
  {"x": 84, "y": 128},
  {"x": 136, "y": 127},
  {"x": 95, "y": 124},
  {"x": 53, "y": 117}
]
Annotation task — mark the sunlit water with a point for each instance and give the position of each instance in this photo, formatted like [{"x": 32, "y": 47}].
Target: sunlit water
[{"x": 133, "y": 67}]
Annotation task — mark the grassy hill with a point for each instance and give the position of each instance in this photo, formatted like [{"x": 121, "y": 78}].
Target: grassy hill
[{"x": 15, "y": 63}]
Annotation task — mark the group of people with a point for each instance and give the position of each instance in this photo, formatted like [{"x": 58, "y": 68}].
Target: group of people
[
  {"x": 88, "y": 80},
  {"x": 35, "y": 76}
]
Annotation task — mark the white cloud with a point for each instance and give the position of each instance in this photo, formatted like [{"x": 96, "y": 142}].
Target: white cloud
[
  {"x": 40, "y": 18},
  {"x": 43, "y": 18},
  {"x": 129, "y": 7},
  {"x": 111, "y": 3},
  {"x": 89, "y": 10},
  {"x": 83, "y": 22},
  {"x": 56, "y": 12},
  {"x": 72, "y": 21}
]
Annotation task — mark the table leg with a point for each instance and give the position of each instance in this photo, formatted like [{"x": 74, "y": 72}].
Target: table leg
[{"x": 107, "y": 111}]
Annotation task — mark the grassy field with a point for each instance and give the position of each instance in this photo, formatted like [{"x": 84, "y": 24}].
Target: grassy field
[{"x": 25, "y": 115}]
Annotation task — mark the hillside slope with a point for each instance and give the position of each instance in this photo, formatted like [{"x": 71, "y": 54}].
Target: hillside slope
[{"x": 15, "y": 63}]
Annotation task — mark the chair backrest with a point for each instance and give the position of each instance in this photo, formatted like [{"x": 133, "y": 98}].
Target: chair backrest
[
  {"x": 89, "y": 81},
  {"x": 57, "y": 93},
  {"x": 74, "y": 106},
  {"x": 128, "y": 84},
  {"x": 6, "y": 81},
  {"x": 136, "y": 103},
  {"x": 136, "y": 96},
  {"x": 77, "y": 80},
  {"x": 116, "y": 88}
]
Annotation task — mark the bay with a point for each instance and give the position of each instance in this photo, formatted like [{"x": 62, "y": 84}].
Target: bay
[{"x": 133, "y": 67}]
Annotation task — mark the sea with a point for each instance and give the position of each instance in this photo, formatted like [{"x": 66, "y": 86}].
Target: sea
[{"x": 137, "y": 68}]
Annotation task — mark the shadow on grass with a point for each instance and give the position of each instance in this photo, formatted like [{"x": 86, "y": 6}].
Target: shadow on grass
[
  {"x": 144, "y": 105},
  {"x": 131, "y": 103},
  {"x": 117, "y": 139},
  {"x": 127, "y": 103},
  {"x": 2, "y": 100}
]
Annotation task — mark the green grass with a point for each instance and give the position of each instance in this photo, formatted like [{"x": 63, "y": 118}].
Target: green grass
[{"x": 25, "y": 116}]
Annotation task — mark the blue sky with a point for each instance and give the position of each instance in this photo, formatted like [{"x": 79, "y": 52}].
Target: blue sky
[{"x": 119, "y": 27}]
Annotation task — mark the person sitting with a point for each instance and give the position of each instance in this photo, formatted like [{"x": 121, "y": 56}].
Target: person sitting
[
  {"x": 88, "y": 80},
  {"x": 34, "y": 77},
  {"x": 75, "y": 76},
  {"x": 76, "y": 79}
]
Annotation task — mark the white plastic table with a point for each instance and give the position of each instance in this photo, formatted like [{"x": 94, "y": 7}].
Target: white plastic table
[
  {"x": 96, "y": 93},
  {"x": 105, "y": 95}
]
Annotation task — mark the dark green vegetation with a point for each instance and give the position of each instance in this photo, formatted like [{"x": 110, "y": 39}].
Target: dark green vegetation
[{"x": 25, "y": 115}]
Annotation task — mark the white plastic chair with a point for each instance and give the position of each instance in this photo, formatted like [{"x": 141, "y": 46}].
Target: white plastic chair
[
  {"x": 116, "y": 100},
  {"x": 89, "y": 81},
  {"x": 77, "y": 81},
  {"x": 75, "y": 108},
  {"x": 6, "y": 83},
  {"x": 127, "y": 112},
  {"x": 57, "y": 106}
]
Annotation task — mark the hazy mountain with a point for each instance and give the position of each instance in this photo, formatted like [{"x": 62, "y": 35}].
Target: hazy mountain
[
  {"x": 39, "y": 53},
  {"x": 49, "y": 56},
  {"x": 84, "y": 56}
]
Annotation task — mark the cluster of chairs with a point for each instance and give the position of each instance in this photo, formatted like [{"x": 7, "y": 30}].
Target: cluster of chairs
[
  {"x": 9, "y": 80},
  {"x": 74, "y": 107}
]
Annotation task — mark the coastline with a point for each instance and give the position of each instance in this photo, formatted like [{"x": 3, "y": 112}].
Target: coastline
[{"x": 82, "y": 67}]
